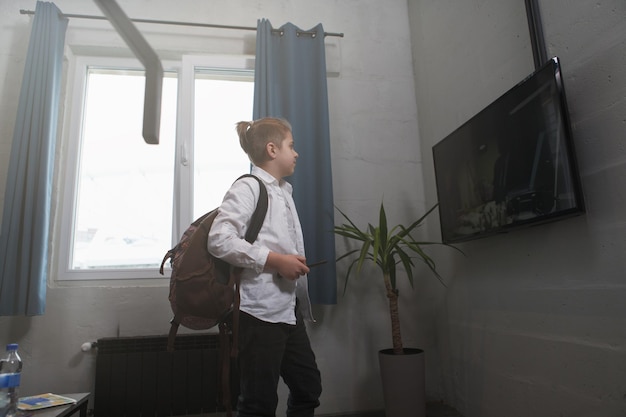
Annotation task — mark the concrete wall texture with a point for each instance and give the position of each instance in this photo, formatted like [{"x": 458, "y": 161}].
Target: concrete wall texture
[{"x": 532, "y": 323}]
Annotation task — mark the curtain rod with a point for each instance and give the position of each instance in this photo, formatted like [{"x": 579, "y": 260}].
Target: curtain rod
[{"x": 169, "y": 22}]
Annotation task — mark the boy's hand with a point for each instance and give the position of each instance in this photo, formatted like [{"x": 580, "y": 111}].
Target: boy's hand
[{"x": 287, "y": 266}]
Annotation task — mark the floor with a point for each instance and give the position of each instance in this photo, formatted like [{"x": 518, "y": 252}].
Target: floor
[
  {"x": 433, "y": 409},
  {"x": 441, "y": 410}
]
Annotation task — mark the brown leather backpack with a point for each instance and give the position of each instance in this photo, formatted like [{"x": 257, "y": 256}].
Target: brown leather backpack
[{"x": 204, "y": 290}]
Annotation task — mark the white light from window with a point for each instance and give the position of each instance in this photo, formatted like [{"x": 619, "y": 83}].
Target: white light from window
[
  {"x": 219, "y": 159},
  {"x": 125, "y": 187},
  {"x": 124, "y": 199}
]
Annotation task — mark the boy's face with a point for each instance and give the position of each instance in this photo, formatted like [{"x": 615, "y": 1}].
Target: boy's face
[{"x": 286, "y": 156}]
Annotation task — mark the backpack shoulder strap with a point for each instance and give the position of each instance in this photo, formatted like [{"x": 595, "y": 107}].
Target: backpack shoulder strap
[{"x": 259, "y": 213}]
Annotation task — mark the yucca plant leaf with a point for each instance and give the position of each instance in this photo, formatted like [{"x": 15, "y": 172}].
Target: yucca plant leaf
[
  {"x": 345, "y": 285},
  {"x": 382, "y": 226},
  {"x": 425, "y": 243},
  {"x": 354, "y": 226},
  {"x": 421, "y": 219},
  {"x": 407, "y": 263},
  {"x": 345, "y": 255},
  {"x": 376, "y": 242},
  {"x": 417, "y": 249},
  {"x": 364, "y": 253},
  {"x": 428, "y": 261},
  {"x": 350, "y": 232},
  {"x": 394, "y": 237}
]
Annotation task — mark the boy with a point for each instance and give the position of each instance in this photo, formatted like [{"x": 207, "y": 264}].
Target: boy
[{"x": 274, "y": 295}]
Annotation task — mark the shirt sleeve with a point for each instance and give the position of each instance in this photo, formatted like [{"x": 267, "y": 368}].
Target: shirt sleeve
[{"x": 227, "y": 235}]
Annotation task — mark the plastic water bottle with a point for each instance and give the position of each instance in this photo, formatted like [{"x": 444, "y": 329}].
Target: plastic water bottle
[{"x": 10, "y": 372}]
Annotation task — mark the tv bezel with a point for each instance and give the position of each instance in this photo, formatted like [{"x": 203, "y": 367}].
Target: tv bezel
[{"x": 579, "y": 205}]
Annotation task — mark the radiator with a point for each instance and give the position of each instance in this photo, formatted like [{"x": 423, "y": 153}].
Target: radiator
[{"x": 136, "y": 376}]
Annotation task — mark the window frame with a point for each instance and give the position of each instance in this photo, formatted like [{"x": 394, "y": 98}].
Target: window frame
[{"x": 68, "y": 158}]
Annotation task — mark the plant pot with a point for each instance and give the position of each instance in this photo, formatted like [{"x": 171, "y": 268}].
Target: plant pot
[{"x": 403, "y": 382}]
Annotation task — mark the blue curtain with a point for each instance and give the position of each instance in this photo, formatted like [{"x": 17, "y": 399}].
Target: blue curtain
[
  {"x": 27, "y": 199},
  {"x": 290, "y": 82}
]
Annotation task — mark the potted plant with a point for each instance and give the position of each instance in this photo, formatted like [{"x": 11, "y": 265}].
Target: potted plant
[{"x": 390, "y": 249}]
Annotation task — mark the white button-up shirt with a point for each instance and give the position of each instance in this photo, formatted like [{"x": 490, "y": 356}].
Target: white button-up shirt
[{"x": 265, "y": 295}]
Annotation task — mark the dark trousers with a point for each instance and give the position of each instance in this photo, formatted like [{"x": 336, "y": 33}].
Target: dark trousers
[{"x": 267, "y": 352}]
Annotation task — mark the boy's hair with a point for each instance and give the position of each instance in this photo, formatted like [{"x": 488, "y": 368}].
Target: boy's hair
[{"x": 253, "y": 136}]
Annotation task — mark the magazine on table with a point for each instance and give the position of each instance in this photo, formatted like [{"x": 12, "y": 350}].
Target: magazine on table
[{"x": 37, "y": 402}]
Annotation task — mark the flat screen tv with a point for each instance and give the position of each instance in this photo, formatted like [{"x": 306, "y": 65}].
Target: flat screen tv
[{"x": 511, "y": 165}]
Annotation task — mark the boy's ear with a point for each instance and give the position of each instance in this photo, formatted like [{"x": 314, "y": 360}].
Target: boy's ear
[{"x": 270, "y": 149}]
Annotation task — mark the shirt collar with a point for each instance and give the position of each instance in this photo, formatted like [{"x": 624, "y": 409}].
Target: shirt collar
[{"x": 269, "y": 178}]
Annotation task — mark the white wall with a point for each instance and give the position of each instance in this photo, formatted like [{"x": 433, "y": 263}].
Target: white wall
[
  {"x": 534, "y": 322},
  {"x": 374, "y": 149}
]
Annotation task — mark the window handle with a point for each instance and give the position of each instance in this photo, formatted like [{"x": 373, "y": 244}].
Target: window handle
[{"x": 184, "y": 158}]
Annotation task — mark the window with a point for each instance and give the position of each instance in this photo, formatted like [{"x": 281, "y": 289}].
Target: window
[
  {"x": 217, "y": 153},
  {"x": 127, "y": 202}
]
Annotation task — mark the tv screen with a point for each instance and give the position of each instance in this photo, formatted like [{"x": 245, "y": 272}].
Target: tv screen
[{"x": 511, "y": 165}]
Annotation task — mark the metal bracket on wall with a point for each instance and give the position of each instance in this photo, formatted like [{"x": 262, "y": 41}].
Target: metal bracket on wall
[
  {"x": 537, "y": 40},
  {"x": 146, "y": 55}
]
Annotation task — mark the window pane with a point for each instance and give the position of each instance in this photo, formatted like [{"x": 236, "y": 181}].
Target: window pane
[
  {"x": 219, "y": 104},
  {"x": 124, "y": 202}
]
